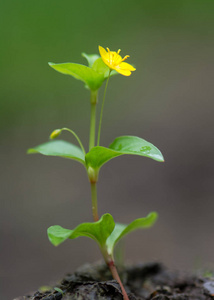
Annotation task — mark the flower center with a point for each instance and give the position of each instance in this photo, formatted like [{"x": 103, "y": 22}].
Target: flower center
[{"x": 114, "y": 58}]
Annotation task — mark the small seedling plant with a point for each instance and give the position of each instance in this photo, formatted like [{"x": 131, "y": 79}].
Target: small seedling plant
[{"x": 103, "y": 230}]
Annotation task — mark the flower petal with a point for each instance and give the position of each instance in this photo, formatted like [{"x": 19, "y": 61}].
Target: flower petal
[
  {"x": 124, "y": 69},
  {"x": 117, "y": 59},
  {"x": 123, "y": 72},
  {"x": 103, "y": 52},
  {"x": 105, "y": 56},
  {"x": 115, "y": 62},
  {"x": 126, "y": 66}
]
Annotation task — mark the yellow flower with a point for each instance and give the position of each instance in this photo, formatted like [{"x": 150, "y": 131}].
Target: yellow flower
[{"x": 115, "y": 62}]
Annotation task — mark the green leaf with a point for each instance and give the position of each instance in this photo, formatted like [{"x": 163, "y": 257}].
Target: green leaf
[
  {"x": 136, "y": 146},
  {"x": 90, "y": 77},
  {"x": 98, "y": 155},
  {"x": 90, "y": 58},
  {"x": 60, "y": 148},
  {"x": 105, "y": 232},
  {"x": 59, "y": 290},
  {"x": 98, "y": 231},
  {"x": 121, "y": 230}
]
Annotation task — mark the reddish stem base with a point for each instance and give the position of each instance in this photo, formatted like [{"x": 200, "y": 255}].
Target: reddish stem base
[{"x": 116, "y": 276}]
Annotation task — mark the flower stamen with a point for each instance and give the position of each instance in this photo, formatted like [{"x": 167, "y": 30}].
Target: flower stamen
[{"x": 125, "y": 57}]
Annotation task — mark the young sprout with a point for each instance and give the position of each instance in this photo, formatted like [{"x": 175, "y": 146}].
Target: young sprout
[
  {"x": 59, "y": 290},
  {"x": 103, "y": 230}
]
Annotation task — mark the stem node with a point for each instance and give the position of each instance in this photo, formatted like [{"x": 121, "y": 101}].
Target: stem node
[{"x": 93, "y": 175}]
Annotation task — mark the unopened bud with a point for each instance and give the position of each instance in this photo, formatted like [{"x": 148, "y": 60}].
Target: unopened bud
[
  {"x": 92, "y": 175},
  {"x": 55, "y": 133}
]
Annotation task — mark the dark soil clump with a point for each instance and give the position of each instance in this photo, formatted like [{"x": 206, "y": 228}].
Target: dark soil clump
[{"x": 142, "y": 282}]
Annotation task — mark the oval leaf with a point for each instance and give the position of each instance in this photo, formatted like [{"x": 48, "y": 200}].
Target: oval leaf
[
  {"x": 89, "y": 76},
  {"x": 136, "y": 146},
  {"x": 133, "y": 145},
  {"x": 121, "y": 230},
  {"x": 98, "y": 155},
  {"x": 60, "y": 148},
  {"x": 98, "y": 231}
]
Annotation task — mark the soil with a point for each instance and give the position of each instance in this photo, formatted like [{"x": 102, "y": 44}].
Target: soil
[{"x": 142, "y": 282}]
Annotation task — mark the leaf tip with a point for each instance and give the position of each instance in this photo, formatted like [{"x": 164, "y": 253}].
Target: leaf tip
[
  {"x": 154, "y": 216},
  {"x": 162, "y": 158},
  {"x": 51, "y": 238},
  {"x": 31, "y": 151}
]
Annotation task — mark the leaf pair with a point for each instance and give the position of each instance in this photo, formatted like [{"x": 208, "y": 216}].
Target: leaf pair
[
  {"x": 93, "y": 75},
  {"x": 105, "y": 232},
  {"x": 98, "y": 156}
]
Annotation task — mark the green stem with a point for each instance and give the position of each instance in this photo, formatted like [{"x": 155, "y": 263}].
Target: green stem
[
  {"x": 93, "y": 119},
  {"x": 101, "y": 113},
  {"x": 92, "y": 174},
  {"x": 94, "y": 201},
  {"x": 77, "y": 138}
]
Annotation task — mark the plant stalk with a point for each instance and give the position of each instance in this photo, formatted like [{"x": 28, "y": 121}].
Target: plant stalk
[
  {"x": 94, "y": 201},
  {"x": 110, "y": 263},
  {"x": 93, "y": 119},
  {"x": 116, "y": 276},
  {"x": 91, "y": 172},
  {"x": 101, "y": 113},
  {"x": 77, "y": 138}
]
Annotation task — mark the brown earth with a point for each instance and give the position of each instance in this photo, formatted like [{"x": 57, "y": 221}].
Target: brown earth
[{"x": 142, "y": 282}]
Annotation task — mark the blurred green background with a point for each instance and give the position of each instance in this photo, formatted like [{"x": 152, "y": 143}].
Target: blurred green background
[{"x": 168, "y": 101}]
